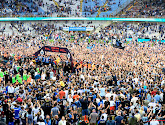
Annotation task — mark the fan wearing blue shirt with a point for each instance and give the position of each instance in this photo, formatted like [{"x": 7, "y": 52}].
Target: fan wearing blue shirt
[
  {"x": 37, "y": 77},
  {"x": 47, "y": 60},
  {"x": 37, "y": 60},
  {"x": 149, "y": 97},
  {"x": 43, "y": 59},
  {"x": 16, "y": 110},
  {"x": 157, "y": 97},
  {"x": 118, "y": 118},
  {"x": 47, "y": 120},
  {"x": 102, "y": 92}
]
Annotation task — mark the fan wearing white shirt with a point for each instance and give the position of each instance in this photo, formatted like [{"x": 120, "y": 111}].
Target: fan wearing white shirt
[
  {"x": 36, "y": 108},
  {"x": 122, "y": 95},
  {"x": 80, "y": 91},
  {"x": 105, "y": 115},
  {"x": 82, "y": 77},
  {"x": 70, "y": 100},
  {"x": 43, "y": 75},
  {"x": 132, "y": 107},
  {"x": 95, "y": 88},
  {"x": 108, "y": 95},
  {"x": 11, "y": 90},
  {"x": 136, "y": 80},
  {"x": 66, "y": 93},
  {"x": 161, "y": 96},
  {"x": 134, "y": 99},
  {"x": 163, "y": 82},
  {"x": 154, "y": 122},
  {"x": 62, "y": 121},
  {"x": 112, "y": 103},
  {"x": 114, "y": 95}
]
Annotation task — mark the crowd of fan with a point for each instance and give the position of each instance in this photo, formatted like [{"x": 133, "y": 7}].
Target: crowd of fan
[
  {"x": 145, "y": 9},
  {"x": 140, "y": 30},
  {"x": 122, "y": 30},
  {"x": 20, "y": 8},
  {"x": 105, "y": 85},
  {"x": 94, "y": 8}
]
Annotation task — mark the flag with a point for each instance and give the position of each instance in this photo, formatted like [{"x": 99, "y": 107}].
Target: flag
[
  {"x": 127, "y": 42},
  {"x": 51, "y": 40},
  {"x": 89, "y": 40},
  {"x": 152, "y": 44}
]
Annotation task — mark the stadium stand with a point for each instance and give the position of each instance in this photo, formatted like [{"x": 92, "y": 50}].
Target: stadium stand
[
  {"x": 145, "y": 9},
  {"x": 21, "y": 8},
  {"x": 39, "y": 8},
  {"x": 103, "y": 8},
  {"x": 82, "y": 8},
  {"x": 142, "y": 30}
]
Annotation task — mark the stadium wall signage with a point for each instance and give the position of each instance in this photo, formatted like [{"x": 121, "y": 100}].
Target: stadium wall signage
[
  {"x": 80, "y": 18},
  {"x": 78, "y": 28}
]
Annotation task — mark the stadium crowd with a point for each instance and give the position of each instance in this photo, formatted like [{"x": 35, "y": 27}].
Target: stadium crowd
[
  {"x": 38, "y": 8},
  {"x": 145, "y": 9},
  {"x": 69, "y": 8},
  {"x": 104, "y": 86}
]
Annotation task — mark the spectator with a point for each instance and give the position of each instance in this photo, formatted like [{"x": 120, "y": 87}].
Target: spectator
[
  {"x": 93, "y": 117},
  {"x": 154, "y": 122},
  {"x": 62, "y": 121},
  {"x": 118, "y": 118},
  {"x": 23, "y": 115},
  {"x": 47, "y": 120},
  {"x": 55, "y": 110},
  {"x": 133, "y": 120}
]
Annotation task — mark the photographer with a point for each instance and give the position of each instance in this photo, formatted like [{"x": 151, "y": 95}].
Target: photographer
[
  {"x": 36, "y": 108},
  {"x": 39, "y": 117},
  {"x": 40, "y": 121},
  {"x": 47, "y": 106},
  {"x": 91, "y": 107}
]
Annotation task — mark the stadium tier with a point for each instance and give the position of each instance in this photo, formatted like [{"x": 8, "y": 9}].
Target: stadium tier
[
  {"x": 82, "y": 8},
  {"x": 103, "y": 8}
]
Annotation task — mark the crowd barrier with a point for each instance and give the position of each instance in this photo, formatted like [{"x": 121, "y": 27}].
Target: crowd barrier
[{"x": 82, "y": 18}]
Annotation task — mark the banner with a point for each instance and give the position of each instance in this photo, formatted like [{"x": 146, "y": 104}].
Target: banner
[
  {"x": 145, "y": 40},
  {"x": 78, "y": 28},
  {"x": 53, "y": 49},
  {"x": 51, "y": 40}
]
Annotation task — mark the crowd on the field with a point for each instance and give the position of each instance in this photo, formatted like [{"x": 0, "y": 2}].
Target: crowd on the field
[{"x": 103, "y": 85}]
